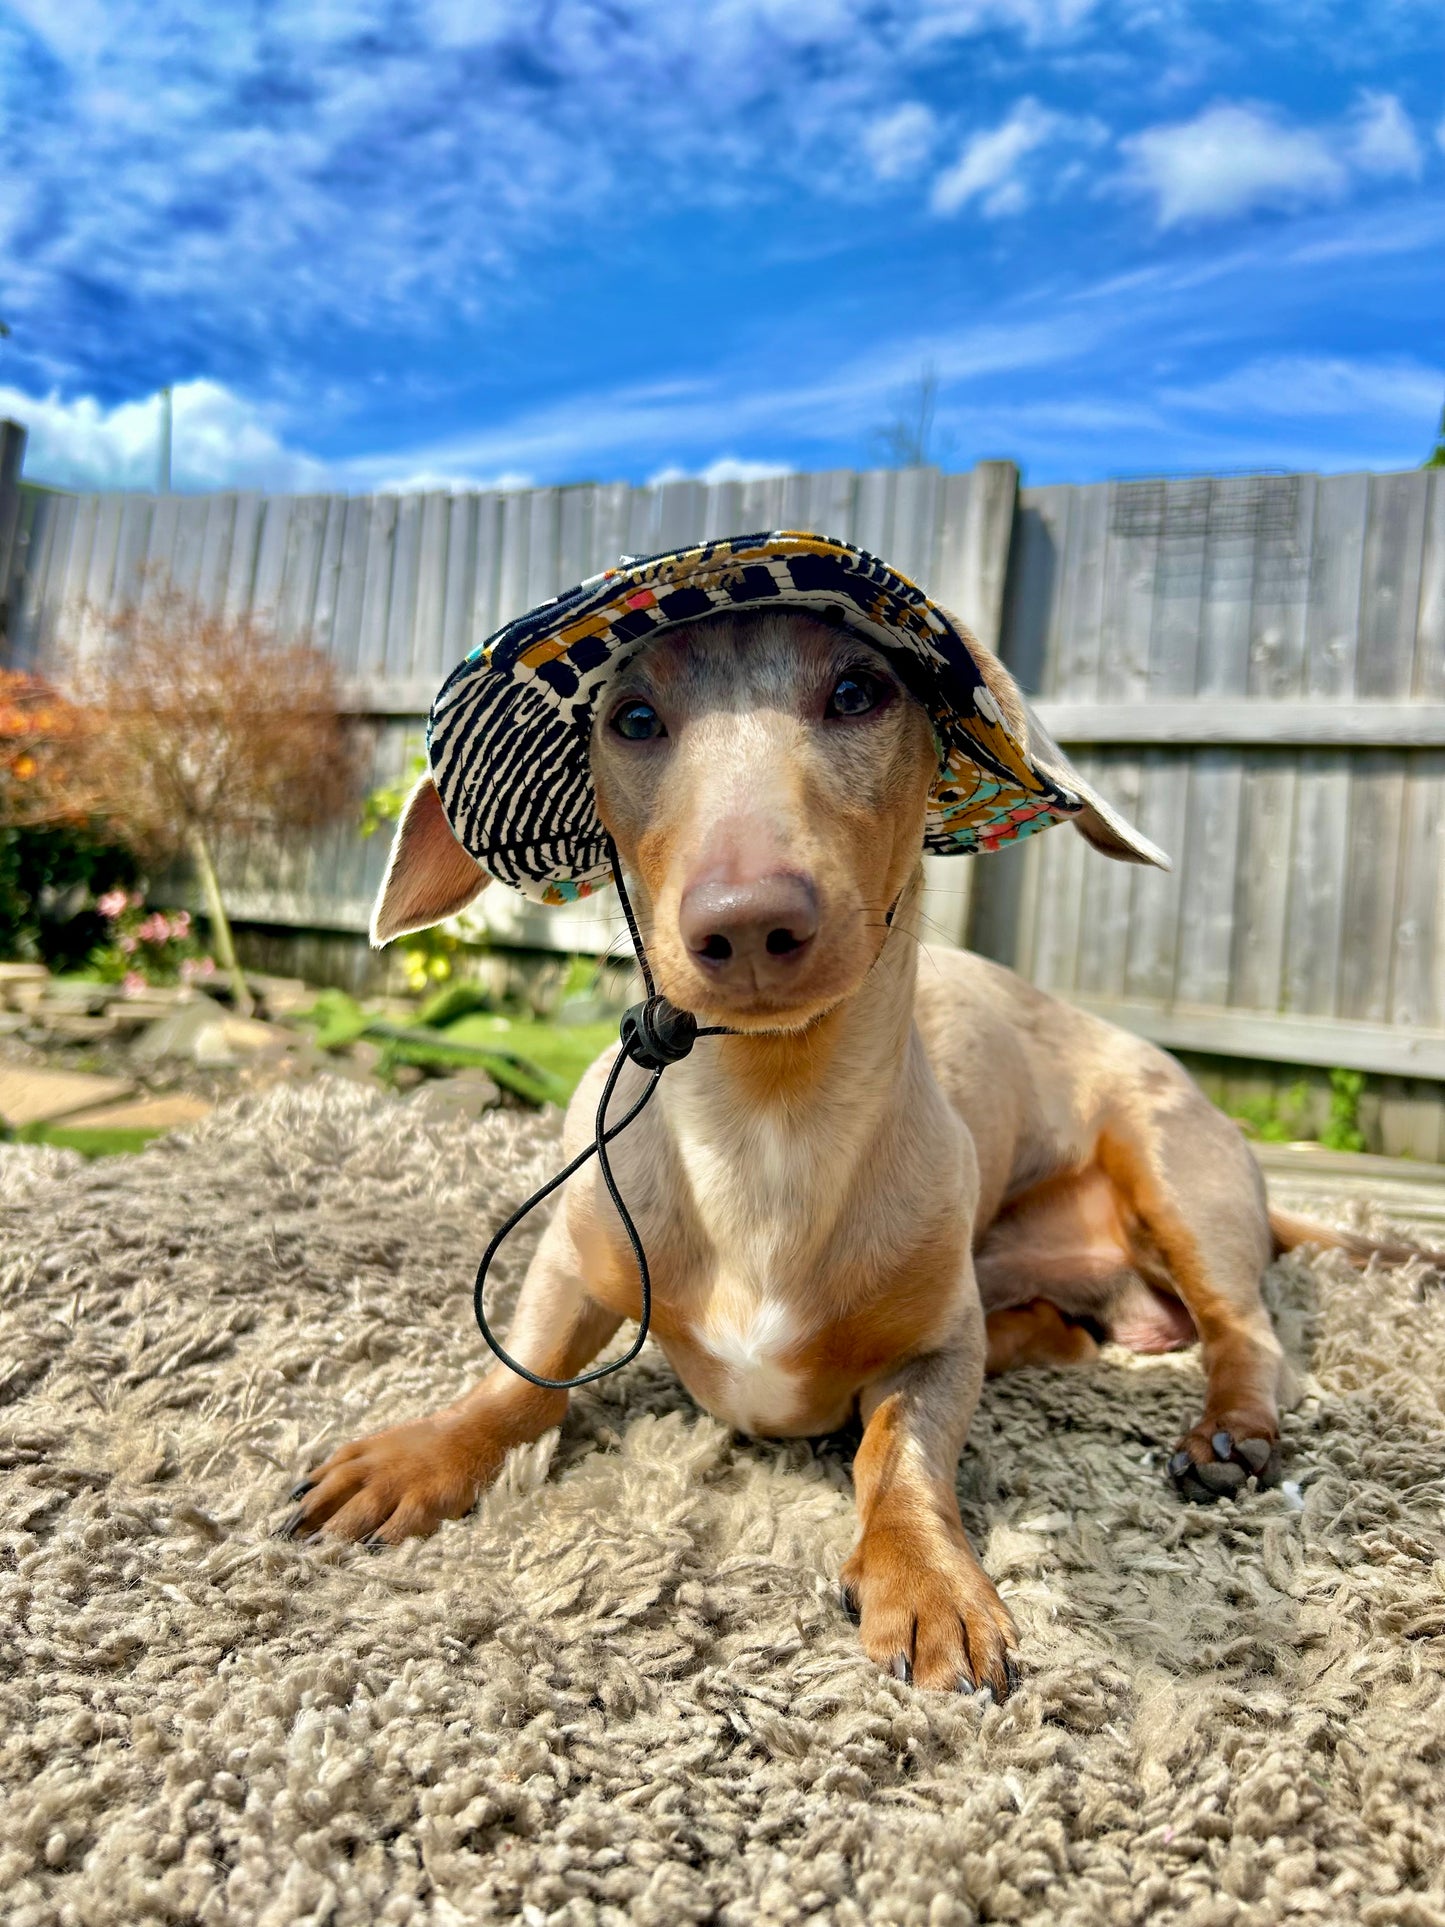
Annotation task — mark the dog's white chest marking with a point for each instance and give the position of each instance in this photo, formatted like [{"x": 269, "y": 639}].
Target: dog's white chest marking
[
  {"x": 750, "y": 1188},
  {"x": 750, "y": 1341}
]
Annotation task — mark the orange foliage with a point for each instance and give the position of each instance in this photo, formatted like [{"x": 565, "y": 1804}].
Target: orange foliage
[
  {"x": 45, "y": 763},
  {"x": 202, "y": 723}
]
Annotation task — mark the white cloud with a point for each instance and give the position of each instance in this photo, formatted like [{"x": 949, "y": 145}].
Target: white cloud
[
  {"x": 899, "y": 143},
  {"x": 727, "y": 468},
  {"x": 1229, "y": 159},
  {"x": 372, "y": 475},
  {"x": 1384, "y": 139},
  {"x": 219, "y": 440},
  {"x": 988, "y": 167}
]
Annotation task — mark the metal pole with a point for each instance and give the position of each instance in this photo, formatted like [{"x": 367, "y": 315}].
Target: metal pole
[
  {"x": 12, "y": 456},
  {"x": 164, "y": 480}
]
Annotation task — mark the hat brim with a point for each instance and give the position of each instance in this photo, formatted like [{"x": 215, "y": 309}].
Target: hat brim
[{"x": 509, "y": 731}]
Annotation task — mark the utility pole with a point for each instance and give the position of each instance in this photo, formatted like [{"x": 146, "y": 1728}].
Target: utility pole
[{"x": 164, "y": 480}]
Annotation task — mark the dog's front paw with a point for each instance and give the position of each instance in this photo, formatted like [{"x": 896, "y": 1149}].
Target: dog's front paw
[
  {"x": 395, "y": 1485},
  {"x": 1223, "y": 1452},
  {"x": 929, "y": 1613}
]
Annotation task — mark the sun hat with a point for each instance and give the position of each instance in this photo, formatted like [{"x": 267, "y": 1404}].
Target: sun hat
[{"x": 508, "y": 733}]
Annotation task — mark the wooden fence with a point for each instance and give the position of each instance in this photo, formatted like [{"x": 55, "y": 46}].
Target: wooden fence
[
  {"x": 1253, "y": 667},
  {"x": 399, "y": 588}
]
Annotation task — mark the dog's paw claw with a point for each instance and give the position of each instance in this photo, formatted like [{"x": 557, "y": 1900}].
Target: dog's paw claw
[
  {"x": 287, "y": 1527},
  {"x": 902, "y": 1668},
  {"x": 300, "y": 1489},
  {"x": 1216, "y": 1461},
  {"x": 1011, "y": 1674},
  {"x": 848, "y": 1600}
]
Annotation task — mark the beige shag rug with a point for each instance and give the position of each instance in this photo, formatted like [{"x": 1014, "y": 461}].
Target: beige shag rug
[{"x": 623, "y": 1691}]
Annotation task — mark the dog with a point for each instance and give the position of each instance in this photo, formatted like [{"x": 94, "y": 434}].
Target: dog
[{"x": 902, "y": 1168}]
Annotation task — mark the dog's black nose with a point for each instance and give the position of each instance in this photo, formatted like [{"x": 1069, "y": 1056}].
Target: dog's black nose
[{"x": 750, "y": 930}]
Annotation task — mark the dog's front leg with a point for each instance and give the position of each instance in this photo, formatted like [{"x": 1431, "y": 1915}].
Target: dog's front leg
[
  {"x": 404, "y": 1481},
  {"x": 927, "y": 1609}
]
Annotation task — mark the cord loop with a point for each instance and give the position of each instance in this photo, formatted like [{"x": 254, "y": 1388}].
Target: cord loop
[{"x": 653, "y": 1034}]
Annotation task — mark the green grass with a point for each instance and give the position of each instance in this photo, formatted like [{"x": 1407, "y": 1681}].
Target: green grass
[
  {"x": 98, "y": 1143},
  {"x": 562, "y": 1051}
]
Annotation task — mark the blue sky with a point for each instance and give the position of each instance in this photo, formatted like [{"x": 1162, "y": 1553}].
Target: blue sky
[{"x": 410, "y": 242}]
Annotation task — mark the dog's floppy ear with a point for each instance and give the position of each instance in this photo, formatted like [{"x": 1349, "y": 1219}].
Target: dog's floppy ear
[
  {"x": 1098, "y": 822},
  {"x": 429, "y": 876}
]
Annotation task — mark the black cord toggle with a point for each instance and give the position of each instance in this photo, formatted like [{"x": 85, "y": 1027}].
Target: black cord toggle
[{"x": 656, "y": 1033}]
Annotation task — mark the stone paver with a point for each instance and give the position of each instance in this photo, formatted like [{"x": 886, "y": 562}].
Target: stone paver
[
  {"x": 163, "y": 1113},
  {"x": 43, "y": 1096}
]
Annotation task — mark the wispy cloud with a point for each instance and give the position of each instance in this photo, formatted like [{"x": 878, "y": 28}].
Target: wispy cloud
[
  {"x": 898, "y": 144},
  {"x": 1384, "y": 141},
  {"x": 991, "y": 166},
  {"x": 1310, "y": 387}
]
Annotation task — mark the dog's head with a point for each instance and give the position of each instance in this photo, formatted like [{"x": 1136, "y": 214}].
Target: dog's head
[{"x": 766, "y": 778}]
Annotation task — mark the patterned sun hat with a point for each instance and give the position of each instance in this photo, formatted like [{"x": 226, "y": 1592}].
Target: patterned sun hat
[{"x": 509, "y": 730}]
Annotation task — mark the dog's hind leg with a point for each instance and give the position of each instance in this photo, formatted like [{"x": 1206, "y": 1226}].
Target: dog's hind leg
[
  {"x": 1187, "y": 1180},
  {"x": 403, "y": 1482},
  {"x": 927, "y": 1609}
]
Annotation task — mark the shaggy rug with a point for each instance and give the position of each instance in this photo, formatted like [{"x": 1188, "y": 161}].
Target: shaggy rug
[{"x": 623, "y": 1690}]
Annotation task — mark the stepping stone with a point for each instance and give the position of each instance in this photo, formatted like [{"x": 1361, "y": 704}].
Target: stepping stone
[
  {"x": 443, "y": 1098},
  {"x": 281, "y": 995},
  {"x": 68, "y": 998},
  {"x": 68, "y": 1028},
  {"x": 44, "y": 1096},
  {"x": 19, "y": 980},
  {"x": 164, "y": 1113}
]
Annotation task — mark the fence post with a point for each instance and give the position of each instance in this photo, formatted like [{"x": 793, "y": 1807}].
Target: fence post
[
  {"x": 969, "y": 577},
  {"x": 12, "y": 453}
]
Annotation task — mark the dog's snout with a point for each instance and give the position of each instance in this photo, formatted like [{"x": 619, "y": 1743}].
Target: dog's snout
[{"x": 749, "y": 929}]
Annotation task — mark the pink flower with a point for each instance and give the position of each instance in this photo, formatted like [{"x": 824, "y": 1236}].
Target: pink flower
[
  {"x": 132, "y": 983},
  {"x": 193, "y": 967},
  {"x": 112, "y": 904},
  {"x": 127, "y": 944},
  {"x": 155, "y": 929},
  {"x": 181, "y": 924}
]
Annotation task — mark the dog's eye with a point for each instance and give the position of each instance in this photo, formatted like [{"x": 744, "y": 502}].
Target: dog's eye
[
  {"x": 638, "y": 722},
  {"x": 856, "y": 695}
]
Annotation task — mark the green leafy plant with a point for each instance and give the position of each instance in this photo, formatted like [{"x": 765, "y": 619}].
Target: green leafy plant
[
  {"x": 1342, "y": 1128},
  {"x": 1277, "y": 1117},
  {"x": 427, "y": 956},
  {"x": 384, "y": 804}
]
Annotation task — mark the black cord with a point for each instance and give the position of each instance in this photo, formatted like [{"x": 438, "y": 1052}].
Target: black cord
[{"x": 654, "y": 1034}]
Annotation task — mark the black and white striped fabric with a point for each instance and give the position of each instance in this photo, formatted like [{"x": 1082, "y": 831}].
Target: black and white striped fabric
[{"x": 509, "y": 730}]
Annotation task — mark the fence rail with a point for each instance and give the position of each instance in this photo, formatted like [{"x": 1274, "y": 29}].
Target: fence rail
[{"x": 1253, "y": 667}]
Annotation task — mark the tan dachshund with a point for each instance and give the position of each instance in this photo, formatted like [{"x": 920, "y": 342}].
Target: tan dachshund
[{"x": 908, "y": 1167}]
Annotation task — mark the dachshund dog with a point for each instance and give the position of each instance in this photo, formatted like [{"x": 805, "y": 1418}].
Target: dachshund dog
[{"x": 902, "y": 1168}]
